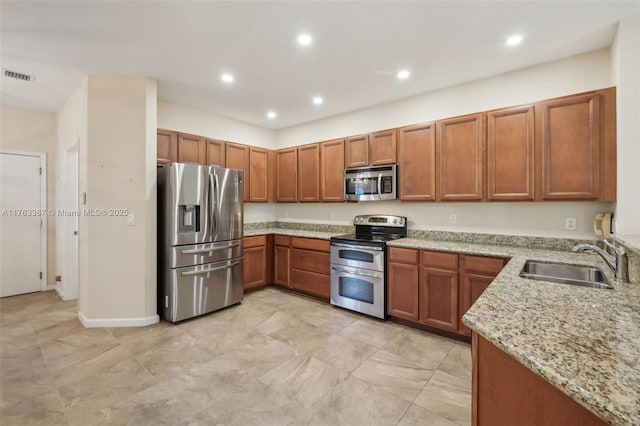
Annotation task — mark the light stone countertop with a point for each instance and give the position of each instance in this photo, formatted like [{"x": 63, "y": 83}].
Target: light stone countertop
[
  {"x": 291, "y": 233},
  {"x": 584, "y": 341}
]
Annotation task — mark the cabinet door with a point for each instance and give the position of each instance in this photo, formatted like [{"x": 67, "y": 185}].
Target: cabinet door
[
  {"x": 439, "y": 298},
  {"x": 402, "y": 291},
  {"x": 287, "y": 175},
  {"x": 238, "y": 158},
  {"x": 258, "y": 175},
  {"x": 191, "y": 149},
  {"x": 309, "y": 173},
  {"x": 510, "y": 154},
  {"x": 167, "y": 147},
  {"x": 281, "y": 265},
  {"x": 332, "y": 170},
  {"x": 255, "y": 264},
  {"x": 382, "y": 147},
  {"x": 216, "y": 154},
  {"x": 356, "y": 151},
  {"x": 417, "y": 162},
  {"x": 460, "y": 144},
  {"x": 570, "y": 148},
  {"x": 471, "y": 287}
]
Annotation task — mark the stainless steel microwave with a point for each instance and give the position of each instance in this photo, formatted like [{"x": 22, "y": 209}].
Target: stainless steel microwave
[{"x": 370, "y": 183}]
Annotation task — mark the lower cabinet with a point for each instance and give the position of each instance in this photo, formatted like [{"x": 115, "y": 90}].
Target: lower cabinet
[
  {"x": 436, "y": 288},
  {"x": 281, "y": 255},
  {"x": 254, "y": 251},
  {"x": 505, "y": 393},
  {"x": 310, "y": 267}
]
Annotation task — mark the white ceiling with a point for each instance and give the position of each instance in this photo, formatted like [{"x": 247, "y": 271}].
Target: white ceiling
[{"x": 357, "y": 49}]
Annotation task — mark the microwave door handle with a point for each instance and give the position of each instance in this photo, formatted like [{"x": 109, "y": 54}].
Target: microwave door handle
[{"x": 380, "y": 186}]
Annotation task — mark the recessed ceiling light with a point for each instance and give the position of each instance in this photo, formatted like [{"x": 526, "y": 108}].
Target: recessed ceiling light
[
  {"x": 317, "y": 100},
  {"x": 514, "y": 40},
  {"x": 227, "y": 78},
  {"x": 403, "y": 74},
  {"x": 271, "y": 115},
  {"x": 304, "y": 39}
]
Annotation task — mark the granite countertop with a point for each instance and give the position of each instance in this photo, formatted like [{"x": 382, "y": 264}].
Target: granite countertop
[
  {"x": 584, "y": 341},
  {"x": 291, "y": 232}
]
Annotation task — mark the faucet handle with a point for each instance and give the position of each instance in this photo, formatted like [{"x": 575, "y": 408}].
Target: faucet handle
[{"x": 618, "y": 249}]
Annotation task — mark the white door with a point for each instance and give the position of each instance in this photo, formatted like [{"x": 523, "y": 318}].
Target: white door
[{"x": 21, "y": 215}]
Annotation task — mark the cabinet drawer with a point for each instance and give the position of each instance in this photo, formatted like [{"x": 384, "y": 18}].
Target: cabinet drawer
[
  {"x": 310, "y": 244},
  {"x": 255, "y": 241},
  {"x": 310, "y": 261},
  {"x": 482, "y": 264},
  {"x": 402, "y": 255},
  {"x": 438, "y": 259},
  {"x": 311, "y": 282},
  {"x": 281, "y": 240}
]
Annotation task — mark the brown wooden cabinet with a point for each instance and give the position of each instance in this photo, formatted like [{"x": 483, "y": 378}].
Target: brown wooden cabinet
[
  {"x": 460, "y": 145},
  {"x": 505, "y": 393},
  {"x": 191, "y": 149},
  {"x": 332, "y": 170},
  {"x": 309, "y": 173},
  {"x": 510, "y": 154},
  {"x": 403, "y": 282},
  {"x": 417, "y": 162},
  {"x": 287, "y": 175},
  {"x": 571, "y": 147},
  {"x": 356, "y": 151},
  {"x": 167, "y": 146},
  {"x": 310, "y": 267},
  {"x": 438, "y": 295},
  {"x": 254, "y": 253},
  {"x": 258, "y": 175},
  {"x": 382, "y": 147},
  {"x": 238, "y": 158},
  {"x": 477, "y": 272},
  {"x": 216, "y": 153},
  {"x": 281, "y": 254}
]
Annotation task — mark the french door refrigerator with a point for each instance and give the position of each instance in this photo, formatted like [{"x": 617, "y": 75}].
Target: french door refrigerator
[{"x": 200, "y": 225}]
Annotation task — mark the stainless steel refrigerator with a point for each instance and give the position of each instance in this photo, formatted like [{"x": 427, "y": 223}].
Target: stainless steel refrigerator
[{"x": 200, "y": 228}]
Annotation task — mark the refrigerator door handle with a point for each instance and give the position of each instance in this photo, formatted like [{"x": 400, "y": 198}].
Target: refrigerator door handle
[
  {"x": 228, "y": 265},
  {"x": 210, "y": 204},
  {"x": 207, "y": 250},
  {"x": 216, "y": 207}
]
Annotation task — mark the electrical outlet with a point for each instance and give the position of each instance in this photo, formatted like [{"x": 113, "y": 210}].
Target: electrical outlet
[
  {"x": 131, "y": 219},
  {"x": 453, "y": 219},
  {"x": 570, "y": 223}
]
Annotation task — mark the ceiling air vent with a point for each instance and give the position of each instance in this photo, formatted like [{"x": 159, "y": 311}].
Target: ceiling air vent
[{"x": 18, "y": 76}]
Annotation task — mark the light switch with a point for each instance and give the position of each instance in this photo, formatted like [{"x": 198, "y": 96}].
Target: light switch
[{"x": 131, "y": 219}]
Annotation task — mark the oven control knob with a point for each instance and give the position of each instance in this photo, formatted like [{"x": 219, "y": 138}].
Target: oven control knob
[{"x": 395, "y": 220}]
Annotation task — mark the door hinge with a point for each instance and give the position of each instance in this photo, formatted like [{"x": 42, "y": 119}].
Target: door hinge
[
  {"x": 40, "y": 274},
  {"x": 40, "y": 170},
  {"x": 166, "y": 301},
  {"x": 40, "y": 223}
]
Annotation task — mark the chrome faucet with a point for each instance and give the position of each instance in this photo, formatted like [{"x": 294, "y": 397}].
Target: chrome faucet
[{"x": 619, "y": 263}]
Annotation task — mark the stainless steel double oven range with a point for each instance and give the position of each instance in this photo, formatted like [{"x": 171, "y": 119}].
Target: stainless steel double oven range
[{"x": 358, "y": 264}]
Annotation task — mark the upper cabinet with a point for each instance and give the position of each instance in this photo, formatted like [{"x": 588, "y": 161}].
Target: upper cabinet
[
  {"x": 167, "y": 147},
  {"x": 332, "y": 170},
  {"x": 417, "y": 162},
  {"x": 191, "y": 149},
  {"x": 510, "y": 154},
  {"x": 216, "y": 153},
  {"x": 571, "y": 148},
  {"x": 287, "y": 175},
  {"x": 238, "y": 158},
  {"x": 309, "y": 173},
  {"x": 258, "y": 175},
  {"x": 371, "y": 149},
  {"x": 460, "y": 146}
]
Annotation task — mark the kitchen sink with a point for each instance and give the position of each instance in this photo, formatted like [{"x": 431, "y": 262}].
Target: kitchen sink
[{"x": 583, "y": 276}]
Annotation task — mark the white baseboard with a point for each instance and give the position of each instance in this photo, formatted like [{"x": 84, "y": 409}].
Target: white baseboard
[
  {"x": 58, "y": 288},
  {"x": 117, "y": 322}
]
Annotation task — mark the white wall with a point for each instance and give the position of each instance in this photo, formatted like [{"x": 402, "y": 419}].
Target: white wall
[
  {"x": 35, "y": 131},
  {"x": 118, "y": 262},
  {"x": 567, "y": 76},
  {"x": 184, "y": 119},
  {"x": 71, "y": 121},
  {"x": 625, "y": 53}
]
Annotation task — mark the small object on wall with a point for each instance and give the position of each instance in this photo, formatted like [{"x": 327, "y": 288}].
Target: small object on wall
[
  {"x": 83, "y": 198},
  {"x": 570, "y": 223},
  {"x": 131, "y": 219},
  {"x": 602, "y": 224}
]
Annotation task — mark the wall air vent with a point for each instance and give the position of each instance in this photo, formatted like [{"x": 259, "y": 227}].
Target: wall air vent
[{"x": 18, "y": 76}]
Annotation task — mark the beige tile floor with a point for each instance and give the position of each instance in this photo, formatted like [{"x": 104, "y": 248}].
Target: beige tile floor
[{"x": 276, "y": 359}]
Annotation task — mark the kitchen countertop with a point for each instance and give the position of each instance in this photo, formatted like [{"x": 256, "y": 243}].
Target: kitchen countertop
[
  {"x": 292, "y": 233},
  {"x": 584, "y": 341}
]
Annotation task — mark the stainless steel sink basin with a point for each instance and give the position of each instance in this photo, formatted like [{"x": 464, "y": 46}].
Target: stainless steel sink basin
[{"x": 583, "y": 276}]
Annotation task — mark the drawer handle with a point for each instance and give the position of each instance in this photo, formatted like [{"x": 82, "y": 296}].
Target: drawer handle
[
  {"x": 207, "y": 250},
  {"x": 218, "y": 268},
  {"x": 356, "y": 272},
  {"x": 363, "y": 248}
]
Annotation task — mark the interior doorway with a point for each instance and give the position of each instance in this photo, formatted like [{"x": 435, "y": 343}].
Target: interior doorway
[
  {"x": 70, "y": 225},
  {"x": 23, "y": 222}
]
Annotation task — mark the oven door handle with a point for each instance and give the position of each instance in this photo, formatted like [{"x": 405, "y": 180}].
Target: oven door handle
[
  {"x": 349, "y": 246},
  {"x": 357, "y": 272}
]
